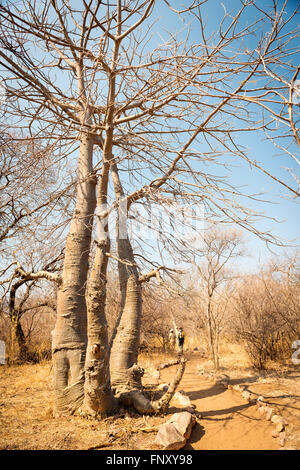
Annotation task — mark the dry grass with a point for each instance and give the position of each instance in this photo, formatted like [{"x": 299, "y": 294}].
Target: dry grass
[
  {"x": 27, "y": 400},
  {"x": 26, "y": 417}
]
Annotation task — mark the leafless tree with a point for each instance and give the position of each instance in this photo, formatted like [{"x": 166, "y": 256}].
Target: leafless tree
[
  {"x": 163, "y": 116},
  {"x": 31, "y": 190},
  {"x": 217, "y": 249},
  {"x": 31, "y": 197},
  {"x": 20, "y": 287},
  {"x": 267, "y": 306}
]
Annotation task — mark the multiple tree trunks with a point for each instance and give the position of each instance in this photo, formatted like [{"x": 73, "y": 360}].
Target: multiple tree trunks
[{"x": 85, "y": 376}]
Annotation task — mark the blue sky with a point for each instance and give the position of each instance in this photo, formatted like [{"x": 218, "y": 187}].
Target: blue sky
[{"x": 282, "y": 207}]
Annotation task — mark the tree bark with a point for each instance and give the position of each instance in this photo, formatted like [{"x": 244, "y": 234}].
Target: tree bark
[
  {"x": 125, "y": 373},
  {"x": 98, "y": 397},
  {"x": 69, "y": 337},
  {"x": 212, "y": 338},
  {"x": 19, "y": 348}
]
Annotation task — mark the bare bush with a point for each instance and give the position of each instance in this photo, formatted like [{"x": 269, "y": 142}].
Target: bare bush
[{"x": 268, "y": 313}]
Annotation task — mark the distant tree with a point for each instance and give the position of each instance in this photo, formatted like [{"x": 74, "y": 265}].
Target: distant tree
[
  {"x": 267, "y": 307},
  {"x": 217, "y": 249}
]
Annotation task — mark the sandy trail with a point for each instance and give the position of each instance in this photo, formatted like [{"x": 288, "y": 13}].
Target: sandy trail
[{"x": 227, "y": 421}]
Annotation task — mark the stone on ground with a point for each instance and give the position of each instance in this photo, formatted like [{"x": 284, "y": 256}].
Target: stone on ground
[
  {"x": 168, "y": 438},
  {"x": 183, "y": 422},
  {"x": 163, "y": 387},
  {"x": 174, "y": 434},
  {"x": 182, "y": 399}
]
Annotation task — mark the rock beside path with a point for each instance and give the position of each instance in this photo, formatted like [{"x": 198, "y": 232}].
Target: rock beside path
[
  {"x": 182, "y": 399},
  {"x": 174, "y": 434}
]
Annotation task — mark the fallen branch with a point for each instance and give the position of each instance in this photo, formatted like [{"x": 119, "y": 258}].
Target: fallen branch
[
  {"x": 102, "y": 445},
  {"x": 153, "y": 429}
]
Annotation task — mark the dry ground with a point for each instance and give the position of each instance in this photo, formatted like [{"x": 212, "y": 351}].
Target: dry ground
[{"x": 227, "y": 421}]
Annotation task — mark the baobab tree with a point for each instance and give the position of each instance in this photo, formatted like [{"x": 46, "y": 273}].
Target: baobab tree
[{"x": 159, "y": 113}]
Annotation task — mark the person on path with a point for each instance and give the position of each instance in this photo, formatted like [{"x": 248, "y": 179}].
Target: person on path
[{"x": 180, "y": 338}]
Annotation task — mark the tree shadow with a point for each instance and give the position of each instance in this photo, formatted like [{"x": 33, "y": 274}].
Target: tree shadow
[
  {"x": 212, "y": 415},
  {"x": 223, "y": 416},
  {"x": 217, "y": 388},
  {"x": 176, "y": 409},
  {"x": 269, "y": 399},
  {"x": 242, "y": 380}
]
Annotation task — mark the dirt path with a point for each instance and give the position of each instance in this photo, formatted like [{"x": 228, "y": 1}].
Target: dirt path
[{"x": 227, "y": 421}]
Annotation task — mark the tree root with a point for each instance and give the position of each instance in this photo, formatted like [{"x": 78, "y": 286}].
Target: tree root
[
  {"x": 145, "y": 406},
  {"x": 168, "y": 364}
]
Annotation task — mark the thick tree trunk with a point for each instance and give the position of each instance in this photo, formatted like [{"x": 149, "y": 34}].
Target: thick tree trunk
[
  {"x": 125, "y": 373},
  {"x": 98, "y": 397},
  {"x": 69, "y": 338}
]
